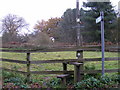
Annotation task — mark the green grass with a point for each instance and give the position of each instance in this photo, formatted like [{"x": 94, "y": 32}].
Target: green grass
[{"x": 54, "y": 56}]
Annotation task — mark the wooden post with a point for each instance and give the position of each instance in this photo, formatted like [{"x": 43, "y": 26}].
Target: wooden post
[
  {"x": 28, "y": 67},
  {"x": 64, "y": 66},
  {"x": 79, "y": 55},
  {"x": 64, "y": 69},
  {"x": 76, "y": 73}
]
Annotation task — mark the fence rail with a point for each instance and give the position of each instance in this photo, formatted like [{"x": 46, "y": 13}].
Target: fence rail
[
  {"x": 13, "y": 61},
  {"x": 59, "y": 60},
  {"x": 85, "y": 48},
  {"x": 61, "y": 72}
]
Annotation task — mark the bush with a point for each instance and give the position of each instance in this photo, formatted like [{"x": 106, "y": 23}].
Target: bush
[
  {"x": 40, "y": 40},
  {"x": 89, "y": 83},
  {"x": 102, "y": 82},
  {"x": 105, "y": 79},
  {"x": 15, "y": 81},
  {"x": 7, "y": 75},
  {"x": 116, "y": 78},
  {"x": 12, "y": 80},
  {"x": 54, "y": 83}
]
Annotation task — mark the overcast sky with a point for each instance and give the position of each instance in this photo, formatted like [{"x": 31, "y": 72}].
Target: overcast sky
[{"x": 34, "y": 10}]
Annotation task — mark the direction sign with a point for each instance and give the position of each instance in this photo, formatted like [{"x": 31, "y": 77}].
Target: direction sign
[{"x": 98, "y": 19}]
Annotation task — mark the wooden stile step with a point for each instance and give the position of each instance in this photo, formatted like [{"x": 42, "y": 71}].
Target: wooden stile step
[
  {"x": 75, "y": 63},
  {"x": 63, "y": 78},
  {"x": 63, "y": 75}
]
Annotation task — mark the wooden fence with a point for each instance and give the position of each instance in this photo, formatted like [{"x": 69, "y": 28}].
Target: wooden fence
[{"x": 28, "y": 63}]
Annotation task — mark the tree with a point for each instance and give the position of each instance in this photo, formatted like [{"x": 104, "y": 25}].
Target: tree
[
  {"x": 41, "y": 26},
  {"x": 118, "y": 29},
  {"x": 91, "y": 28},
  {"x": 49, "y": 27},
  {"x": 67, "y": 30},
  {"x": 11, "y": 26}
]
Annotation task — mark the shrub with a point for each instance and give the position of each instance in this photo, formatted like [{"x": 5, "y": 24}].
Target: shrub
[
  {"x": 105, "y": 79},
  {"x": 7, "y": 74},
  {"x": 102, "y": 82},
  {"x": 88, "y": 83},
  {"x": 54, "y": 83},
  {"x": 116, "y": 78},
  {"x": 16, "y": 82},
  {"x": 40, "y": 40}
]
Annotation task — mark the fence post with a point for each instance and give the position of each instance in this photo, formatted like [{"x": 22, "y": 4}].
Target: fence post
[
  {"x": 28, "y": 67},
  {"x": 79, "y": 55},
  {"x": 64, "y": 66}
]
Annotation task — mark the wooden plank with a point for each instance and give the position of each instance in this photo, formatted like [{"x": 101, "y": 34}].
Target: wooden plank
[
  {"x": 13, "y": 61},
  {"x": 63, "y": 78},
  {"x": 63, "y": 75},
  {"x": 73, "y": 60},
  {"x": 71, "y": 72},
  {"x": 99, "y": 59},
  {"x": 76, "y": 63},
  {"x": 57, "y": 49},
  {"x": 62, "y": 72},
  {"x": 60, "y": 61},
  {"x": 52, "y": 61},
  {"x": 14, "y": 71},
  {"x": 100, "y": 71},
  {"x": 51, "y": 50},
  {"x": 112, "y": 70},
  {"x": 112, "y": 58},
  {"x": 16, "y": 51},
  {"x": 51, "y": 72}
]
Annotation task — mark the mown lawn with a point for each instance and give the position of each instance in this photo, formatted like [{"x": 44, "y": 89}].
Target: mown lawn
[{"x": 55, "y": 56}]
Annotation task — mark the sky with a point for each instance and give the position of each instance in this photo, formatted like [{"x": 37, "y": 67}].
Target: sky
[{"x": 36, "y": 10}]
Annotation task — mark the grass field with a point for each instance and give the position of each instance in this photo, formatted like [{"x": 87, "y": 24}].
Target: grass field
[{"x": 57, "y": 55}]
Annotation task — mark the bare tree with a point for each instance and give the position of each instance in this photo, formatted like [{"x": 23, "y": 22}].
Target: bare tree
[{"x": 11, "y": 25}]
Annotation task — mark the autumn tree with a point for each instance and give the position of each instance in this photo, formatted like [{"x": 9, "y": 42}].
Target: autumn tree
[
  {"x": 49, "y": 27},
  {"x": 11, "y": 26},
  {"x": 44, "y": 30}
]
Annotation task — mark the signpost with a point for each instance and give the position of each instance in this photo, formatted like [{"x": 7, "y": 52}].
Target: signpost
[
  {"x": 79, "y": 39},
  {"x": 98, "y": 19},
  {"x": 101, "y": 19}
]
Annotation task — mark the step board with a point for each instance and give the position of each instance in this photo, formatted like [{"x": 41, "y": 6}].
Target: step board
[{"x": 63, "y": 75}]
